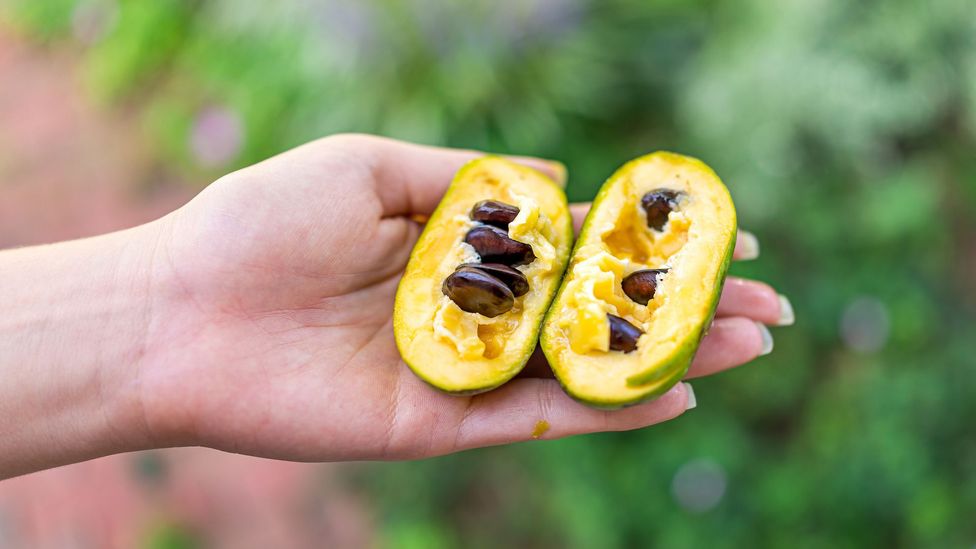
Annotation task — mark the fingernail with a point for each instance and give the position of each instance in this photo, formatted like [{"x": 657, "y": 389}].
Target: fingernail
[
  {"x": 748, "y": 245},
  {"x": 767, "y": 339},
  {"x": 690, "y": 400},
  {"x": 786, "y": 317}
]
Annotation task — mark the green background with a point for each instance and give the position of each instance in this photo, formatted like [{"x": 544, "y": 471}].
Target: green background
[{"x": 846, "y": 132}]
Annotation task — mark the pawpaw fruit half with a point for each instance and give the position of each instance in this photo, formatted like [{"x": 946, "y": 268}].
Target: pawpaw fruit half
[
  {"x": 482, "y": 275},
  {"x": 643, "y": 281}
]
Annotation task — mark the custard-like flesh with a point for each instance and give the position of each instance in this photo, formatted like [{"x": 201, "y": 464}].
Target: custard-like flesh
[
  {"x": 463, "y": 352},
  {"x": 695, "y": 245}
]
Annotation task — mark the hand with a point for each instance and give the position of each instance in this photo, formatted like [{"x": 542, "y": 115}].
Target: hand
[
  {"x": 257, "y": 319},
  {"x": 275, "y": 335}
]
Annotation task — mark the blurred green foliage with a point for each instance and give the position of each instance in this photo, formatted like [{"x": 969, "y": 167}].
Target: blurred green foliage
[
  {"x": 170, "y": 536},
  {"x": 846, "y": 132}
]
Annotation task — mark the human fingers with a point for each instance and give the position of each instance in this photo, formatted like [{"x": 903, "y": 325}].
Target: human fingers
[
  {"x": 755, "y": 300},
  {"x": 746, "y": 246},
  {"x": 730, "y": 342},
  {"x": 579, "y": 212},
  {"x": 526, "y": 409}
]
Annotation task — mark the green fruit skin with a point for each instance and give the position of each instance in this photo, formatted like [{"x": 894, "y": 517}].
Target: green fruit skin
[
  {"x": 690, "y": 346},
  {"x": 674, "y": 377},
  {"x": 530, "y": 344},
  {"x": 672, "y": 371}
]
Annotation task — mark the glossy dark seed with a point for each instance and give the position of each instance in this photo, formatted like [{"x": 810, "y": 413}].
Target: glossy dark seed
[
  {"x": 494, "y": 246},
  {"x": 476, "y": 291},
  {"x": 641, "y": 285},
  {"x": 623, "y": 334},
  {"x": 512, "y": 278},
  {"x": 658, "y": 204},
  {"x": 494, "y": 213}
]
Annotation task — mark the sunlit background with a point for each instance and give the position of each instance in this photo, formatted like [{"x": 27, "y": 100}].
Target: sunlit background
[{"x": 845, "y": 130}]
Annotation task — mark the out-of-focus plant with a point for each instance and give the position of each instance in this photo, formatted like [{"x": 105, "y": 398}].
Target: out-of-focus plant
[{"x": 846, "y": 131}]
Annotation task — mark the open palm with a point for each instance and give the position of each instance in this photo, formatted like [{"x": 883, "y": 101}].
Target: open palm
[{"x": 277, "y": 283}]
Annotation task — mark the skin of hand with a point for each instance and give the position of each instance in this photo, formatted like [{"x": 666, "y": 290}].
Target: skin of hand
[{"x": 257, "y": 319}]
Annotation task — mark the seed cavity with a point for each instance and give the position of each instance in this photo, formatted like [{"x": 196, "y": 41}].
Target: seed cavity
[
  {"x": 489, "y": 288},
  {"x": 475, "y": 291},
  {"x": 494, "y": 246},
  {"x": 623, "y": 334},
  {"x": 657, "y": 205},
  {"x": 493, "y": 212},
  {"x": 512, "y": 278},
  {"x": 640, "y": 286}
]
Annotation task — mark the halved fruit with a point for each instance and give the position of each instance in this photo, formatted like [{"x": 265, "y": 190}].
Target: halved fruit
[
  {"x": 643, "y": 282},
  {"x": 482, "y": 275}
]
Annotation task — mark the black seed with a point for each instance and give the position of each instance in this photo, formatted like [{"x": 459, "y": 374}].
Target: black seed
[
  {"x": 658, "y": 204},
  {"x": 512, "y": 278},
  {"x": 623, "y": 334},
  {"x": 641, "y": 285},
  {"x": 494, "y": 213},
  {"x": 494, "y": 246},
  {"x": 476, "y": 291}
]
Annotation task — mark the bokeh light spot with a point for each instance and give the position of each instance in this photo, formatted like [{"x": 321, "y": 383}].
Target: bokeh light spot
[
  {"x": 216, "y": 137},
  {"x": 865, "y": 325},
  {"x": 699, "y": 485}
]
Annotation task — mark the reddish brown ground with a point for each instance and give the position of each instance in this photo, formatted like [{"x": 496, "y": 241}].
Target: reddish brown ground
[{"x": 67, "y": 170}]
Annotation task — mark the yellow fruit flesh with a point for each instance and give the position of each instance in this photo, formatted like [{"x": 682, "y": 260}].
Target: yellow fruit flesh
[
  {"x": 463, "y": 352},
  {"x": 616, "y": 242},
  {"x": 475, "y": 336}
]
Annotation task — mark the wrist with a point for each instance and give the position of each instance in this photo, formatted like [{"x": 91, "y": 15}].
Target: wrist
[{"x": 74, "y": 319}]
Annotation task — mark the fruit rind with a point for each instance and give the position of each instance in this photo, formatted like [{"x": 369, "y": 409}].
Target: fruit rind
[
  {"x": 656, "y": 379},
  {"x": 404, "y": 309}
]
